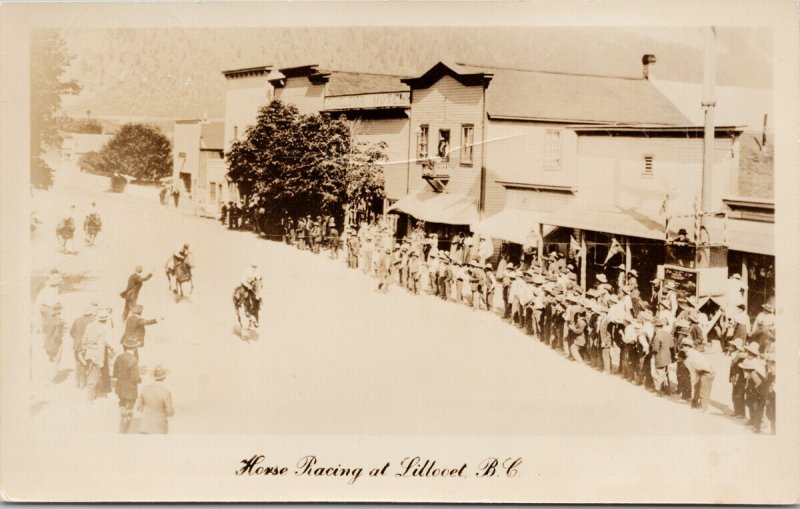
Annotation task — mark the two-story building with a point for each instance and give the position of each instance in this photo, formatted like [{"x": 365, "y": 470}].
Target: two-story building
[
  {"x": 197, "y": 164},
  {"x": 376, "y": 104}
]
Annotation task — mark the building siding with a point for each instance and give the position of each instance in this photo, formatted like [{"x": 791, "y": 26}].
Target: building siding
[
  {"x": 307, "y": 97},
  {"x": 515, "y": 153},
  {"x": 610, "y": 169},
  {"x": 394, "y": 132},
  {"x": 244, "y": 97},
  {"x": 447, "y": 104},
  {"x": 186, "y": 140}
]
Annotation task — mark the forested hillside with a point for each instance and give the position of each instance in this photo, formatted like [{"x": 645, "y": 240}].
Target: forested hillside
[{"x": 175, "y": 73}]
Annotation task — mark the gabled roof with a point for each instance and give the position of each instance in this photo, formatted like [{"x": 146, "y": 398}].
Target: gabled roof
[
  {"x": 341, "y": 82},
  {"x": 213, "y": 135},
  {"x": 560, "y": 97}
]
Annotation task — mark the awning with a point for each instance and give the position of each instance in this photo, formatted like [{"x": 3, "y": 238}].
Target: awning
[
  {"x": 639, "y": 220},
  {"x": 512, "y": 225},
  {"x": 434, "y": 207},
  {"x": 751, "y": 236}
]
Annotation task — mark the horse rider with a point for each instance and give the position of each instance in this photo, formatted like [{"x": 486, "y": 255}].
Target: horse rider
[{"x": 249, "y": 279}]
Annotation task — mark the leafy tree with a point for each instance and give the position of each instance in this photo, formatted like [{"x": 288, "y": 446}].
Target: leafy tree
[
  {"x": 49, "y": 60},
  {"x": 306, "y": 164},
  {"x": 83, "y": 126},
  {"x": 139, "y": 151}
]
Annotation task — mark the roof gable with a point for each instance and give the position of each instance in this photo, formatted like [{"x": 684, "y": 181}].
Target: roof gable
[{"x": 455, "y": 71}]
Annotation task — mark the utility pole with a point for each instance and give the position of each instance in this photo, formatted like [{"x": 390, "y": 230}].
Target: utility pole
[{"x": 709, "y": 102}]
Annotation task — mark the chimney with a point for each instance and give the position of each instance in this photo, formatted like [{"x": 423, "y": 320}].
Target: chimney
[{"x": 648, "y": 62}]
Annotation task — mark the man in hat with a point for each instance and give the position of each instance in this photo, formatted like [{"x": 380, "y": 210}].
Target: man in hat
[
  {"x": 663, "y": 355},
  {"x": 131, "y": 292},
  {"x": 681, "y": 332},
  {"x": 769, "y": 402},
  {"x": 126, "y": 373},
  {"x": 48, "y": 296},
  {"x": 76, "y": 332},
  {"x": 385, "y": 271},
  {"x": 484, "y": 251},
  {"x": 414, "y": 272},
  {"x": 135, "y": 329},
  {"x": 764, "y": 322},
  {"x": 506, "y": 287},
  {"x": 756, "y": 391},
  {"x": 441, "y": 275},
  {"x": 738, "y": 378},
  {"x": 52, "y": 336},
  {"x": 353, "y": 247},
  {"x": 491, "y": 284},
  {"x": 93, "y": 352},
  {"x": 701, "y": 372},
  {"x": 65, "y": 231},
  {"x": 155, "y": 403},
  {"x": 576, "y": 333}
]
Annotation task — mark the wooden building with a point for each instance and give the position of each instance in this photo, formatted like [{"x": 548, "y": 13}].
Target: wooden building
[
  {"x": 198, "y": 165},
  {"x": 376, "y": 104}
]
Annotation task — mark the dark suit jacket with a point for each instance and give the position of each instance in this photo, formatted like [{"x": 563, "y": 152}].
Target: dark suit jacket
[
  {"x": 126, "y": 371},
  {"x": 131, "y": 292},
  {"x": 134, "y": 328}
]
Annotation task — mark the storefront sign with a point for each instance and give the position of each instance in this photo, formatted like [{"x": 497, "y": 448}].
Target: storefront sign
[
  {"x": 367, "y": 101},
  {"x": 685, "y": 280}
]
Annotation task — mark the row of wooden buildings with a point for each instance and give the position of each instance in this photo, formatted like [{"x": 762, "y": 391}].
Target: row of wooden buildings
[{"x": 516, "y": 154}]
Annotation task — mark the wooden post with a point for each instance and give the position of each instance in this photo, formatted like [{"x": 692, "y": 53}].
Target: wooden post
[
  {"x": 746, "y": 284},
  {"x": 540, "y": 244},
  {"x": 582, "y": 242},
  {"x": 627, "y": 257}
]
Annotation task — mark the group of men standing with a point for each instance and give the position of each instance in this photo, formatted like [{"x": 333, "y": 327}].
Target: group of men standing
[{"x": 95, "y": 358}]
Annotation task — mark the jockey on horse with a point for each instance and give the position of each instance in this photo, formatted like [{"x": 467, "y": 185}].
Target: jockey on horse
[
  {"x": 248, "y": 294},
  {"x": 181, "y": 256}
]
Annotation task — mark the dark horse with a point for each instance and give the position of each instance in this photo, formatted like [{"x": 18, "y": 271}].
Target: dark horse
[
  {"x": 247, "y": 306},
  {"x": 179, "y": 273}
]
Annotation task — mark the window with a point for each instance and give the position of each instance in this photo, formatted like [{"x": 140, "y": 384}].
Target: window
[
  {"x": 552, "y": 150},
  {"x": 212, "y": 189},
  {"x": 236, "y": 132},
  {"x": 422, "y": 142},
  {"x": 648, "y": 164},
  {"x": 467, "y": 140},
  {"x": 443, "y": 149},
  {"x": 182, "y": 155}
]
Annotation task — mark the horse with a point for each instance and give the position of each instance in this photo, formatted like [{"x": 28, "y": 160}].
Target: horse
[
  {"x": 92, "y": 226},
  {"x": 247, "y": 306},
  {"x": 64, "y": 232},
  {"x": 178, "y": 274}
]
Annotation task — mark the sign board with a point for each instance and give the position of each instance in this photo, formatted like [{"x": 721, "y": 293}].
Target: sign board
[
  {"x": 369, "y": 101},
  {"x": 685, "y": 280}
]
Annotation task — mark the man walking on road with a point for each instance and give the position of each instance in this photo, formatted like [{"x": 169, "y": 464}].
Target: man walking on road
[
  {"x": 94, "y": 346},
  {"x": 156, "y": 404},
  {"x": 134, "y": 329},
  {"x": 77, "y": 331},
  {"x": 131, "y": 292},
  {"x": 126, "y": 371}
]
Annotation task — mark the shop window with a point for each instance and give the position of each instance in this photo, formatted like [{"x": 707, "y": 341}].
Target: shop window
[
  {"x": 552, "y": 149},
  {"x": 236, "y": 132},
  {"x": 422, "y": 142},
  {"x": 467, "y": 141},
  {"x": 647, "y": 165},
  {"x": 443, "y": 149}
]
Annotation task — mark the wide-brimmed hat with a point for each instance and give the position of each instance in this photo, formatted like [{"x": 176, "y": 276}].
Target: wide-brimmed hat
[
  {"x": 509, "y": 266},
  {"x": 752, "y": 348},
  {"x": 488, "y": 266},
  {"x": 633, "y": 273},
  {"x": 137, "y": 308},
  {"x": 102, "y": 314},
  {"x": 736, "y": 276},
  {"x": 602, "y": 278},
  {"x": 737, "y": 343},
  {"x": 769, "y": 307},
  {"x": 686, "y": 341},
  {"x": 159, "y": 373},
  {"x": 57, "y": 306},
  {"x": 659, "y": 321}
]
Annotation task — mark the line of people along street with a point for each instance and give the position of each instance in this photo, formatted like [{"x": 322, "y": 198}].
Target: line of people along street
[{"x": 659, "y": 344}]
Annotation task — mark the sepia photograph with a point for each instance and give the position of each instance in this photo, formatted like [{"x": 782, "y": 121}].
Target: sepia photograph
[{"x": 556, "y": 232}]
